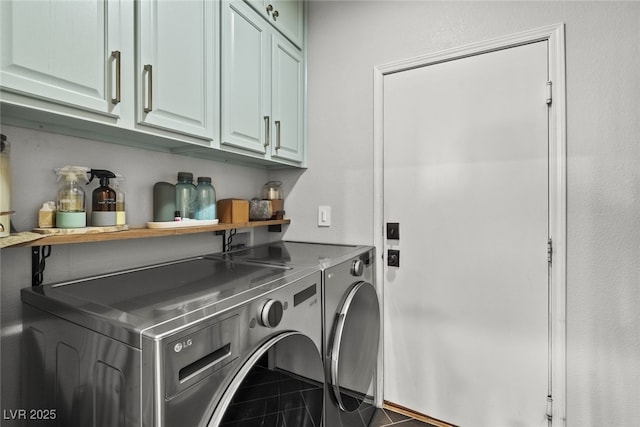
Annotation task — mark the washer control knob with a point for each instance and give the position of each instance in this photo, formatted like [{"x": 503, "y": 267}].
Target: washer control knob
[
  {"x": 357, "y": 268},
  {"x": 270, "y": 313}
]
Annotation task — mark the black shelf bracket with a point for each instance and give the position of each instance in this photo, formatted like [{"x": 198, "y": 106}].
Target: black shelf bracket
[
  {"x": 226, "y": 239},
  {"x": 39, "y": 254}
]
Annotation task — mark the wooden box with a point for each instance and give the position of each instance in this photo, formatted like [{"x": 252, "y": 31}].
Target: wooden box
[{"x": 233, "y": 211}]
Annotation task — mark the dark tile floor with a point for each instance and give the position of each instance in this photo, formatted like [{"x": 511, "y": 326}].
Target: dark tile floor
[
  {"x": 385, "y": 418},
  {"x": 276, "y": 398}
]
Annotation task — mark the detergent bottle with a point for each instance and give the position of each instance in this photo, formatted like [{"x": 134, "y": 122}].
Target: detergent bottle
[
  {"x": 103, "y": 204},
  {"x": 71, "y": 211}
]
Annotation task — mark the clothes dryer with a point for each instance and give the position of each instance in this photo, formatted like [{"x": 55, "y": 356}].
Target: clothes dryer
[
  {"x": 201, "y": 342},
  {"x": 351, "y": 321}
]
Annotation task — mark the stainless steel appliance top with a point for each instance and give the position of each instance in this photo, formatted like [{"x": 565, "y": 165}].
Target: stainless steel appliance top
[
  {"x": 308, "y": 254},
  {"x": 155, "y": 301}
]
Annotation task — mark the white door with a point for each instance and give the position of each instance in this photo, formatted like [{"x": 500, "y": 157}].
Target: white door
[
  {"x": 178, "y": 66},
  {"x": 466, "y": 177}
]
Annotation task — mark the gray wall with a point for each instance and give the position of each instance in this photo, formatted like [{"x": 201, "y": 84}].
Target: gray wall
[{"x": 347, "y": 39}]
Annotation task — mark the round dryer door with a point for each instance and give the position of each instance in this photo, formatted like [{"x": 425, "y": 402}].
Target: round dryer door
[
  {"x": 354, "y": 348},
  {"x": 281, "y": 383}
]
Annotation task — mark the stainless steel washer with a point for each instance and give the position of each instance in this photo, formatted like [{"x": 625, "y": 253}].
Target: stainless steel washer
[
  {"x": 193, "y": 343},
  {"x": 351, "y": 321}
]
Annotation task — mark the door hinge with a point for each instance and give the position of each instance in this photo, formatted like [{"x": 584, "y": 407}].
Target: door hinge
[
  {"x": 549, "y": 251},
  {"x": 549, "y": 413},
  {"x": 549, "y": 96}
]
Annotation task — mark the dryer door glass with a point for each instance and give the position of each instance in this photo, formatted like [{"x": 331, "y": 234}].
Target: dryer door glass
[
  {"x": 281, "y": 384},
  {"x": 354, "y": 349}
]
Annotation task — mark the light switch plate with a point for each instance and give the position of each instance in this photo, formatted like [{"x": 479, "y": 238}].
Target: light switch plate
[{"x": 324, "y": 216}]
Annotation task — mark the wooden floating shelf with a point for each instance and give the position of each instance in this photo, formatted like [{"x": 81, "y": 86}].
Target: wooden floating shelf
[{"x": 143, "y": 233}]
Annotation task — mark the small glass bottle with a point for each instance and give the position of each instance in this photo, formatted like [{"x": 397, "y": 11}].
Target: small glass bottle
[
  {"x": 70, "y": 208},
  {"x": 186, "y": 195},
  {"x": 206, "y": 199}
]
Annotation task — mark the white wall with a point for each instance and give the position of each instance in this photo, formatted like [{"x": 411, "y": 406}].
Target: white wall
[
  {"x": 34, "y": 154},
  {"x": 348, "y": 38}
]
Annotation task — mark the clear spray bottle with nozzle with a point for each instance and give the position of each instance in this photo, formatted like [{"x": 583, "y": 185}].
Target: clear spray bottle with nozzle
[
  {"x": 71, "y": 211},
  {"x": 103, "y": 200}
]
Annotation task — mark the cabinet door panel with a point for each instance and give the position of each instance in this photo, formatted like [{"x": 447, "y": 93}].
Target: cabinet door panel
[
  {"x": 287, "y": 103},
  {"x": 290, "y": 19},
  {"x": 177, "y": 39},
  {"x": 244, "y": 86},
  {"x": 61, "y": 51},
  {"x": 285, "y": 15}
]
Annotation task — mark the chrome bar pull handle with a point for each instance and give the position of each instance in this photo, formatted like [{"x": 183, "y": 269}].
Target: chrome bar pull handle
[
  {"x": 266, "y": 131},
  {"x": 149, "y": 72},
  {"x": 277, "y": 123},
  {"x": 116, "y": 58}
]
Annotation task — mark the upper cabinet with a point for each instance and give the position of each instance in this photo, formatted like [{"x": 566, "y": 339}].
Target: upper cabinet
[
  {"x": 262, "y": 88},
  {"x": 220, "y": 80},
  {"x": 285, "y": 15},
  {"x": 246, "y": 117},
  {"x": 177, "y": 66},
  {"x": 287, "y": 101},
  {"x": 71, "y": 53}
]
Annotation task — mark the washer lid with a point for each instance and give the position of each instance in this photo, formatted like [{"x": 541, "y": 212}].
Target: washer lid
[
  {"x": 124, "y": 304},
  {"x": 354, "y": 346},
  {"x": 297, "y": 253}
]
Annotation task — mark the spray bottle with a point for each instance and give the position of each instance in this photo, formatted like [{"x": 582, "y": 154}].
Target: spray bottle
[
  {"x": 103, "y": 205},
  {"x": 121, "y": 216},
  {"x": 71, "y": 212}
]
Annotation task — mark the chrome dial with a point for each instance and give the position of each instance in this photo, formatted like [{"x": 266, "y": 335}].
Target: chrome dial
[
  {"x": 270, "y": 313},
  {"x": 357, "y": 268}
]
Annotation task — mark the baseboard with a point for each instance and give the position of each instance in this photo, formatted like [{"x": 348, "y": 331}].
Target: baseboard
[{"x": 390, "y": 406}]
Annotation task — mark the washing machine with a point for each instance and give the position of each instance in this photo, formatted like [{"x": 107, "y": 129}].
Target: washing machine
[
  {"x": 350, "y": 322},
  {"x": 200, "y": 342}
]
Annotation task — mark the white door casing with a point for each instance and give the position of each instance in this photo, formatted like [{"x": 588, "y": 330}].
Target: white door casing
[{"x": 554, "y": 38}]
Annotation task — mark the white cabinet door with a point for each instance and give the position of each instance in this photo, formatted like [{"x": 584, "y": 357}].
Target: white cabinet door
[
  {"x": 285, "y": 15},
  {"x": 66, "y": 52},
  {"x": 177, "y": 65},
  {"x": 262, "y": 88},
  {"x": 245, "y": 86},
  {"x": 287, "y": 100}
]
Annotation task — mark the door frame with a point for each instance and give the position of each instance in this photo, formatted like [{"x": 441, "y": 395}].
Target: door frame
[{"x": 555, "y": 37}]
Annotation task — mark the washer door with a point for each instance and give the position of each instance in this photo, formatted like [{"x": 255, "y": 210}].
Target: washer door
[
  {"x": 354, "y": 348},
  {"x": 280, "y": 384}
]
